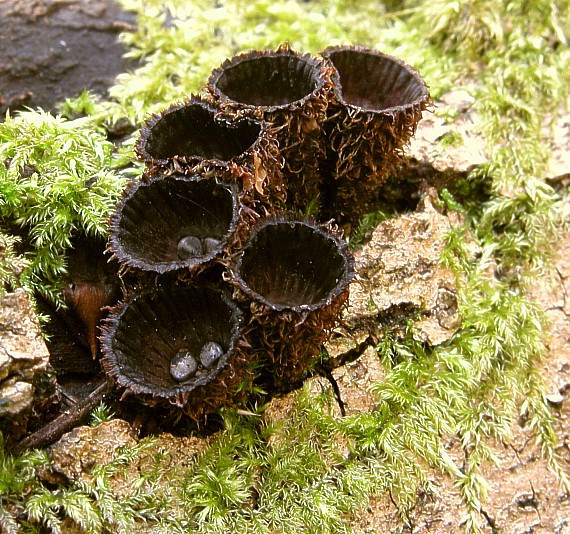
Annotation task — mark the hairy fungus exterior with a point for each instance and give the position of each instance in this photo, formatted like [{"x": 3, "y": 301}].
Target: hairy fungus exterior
[
  {"x": 378, "y": 102},
  {"x": 168, "y": 223},
  {"x": 295, "y": 275},
  {"x": 146, "y": 332},
  {"x": 89, "y": 287},
  {"x": 291, "y": 92},
  {"x": 192, "y": 137}
]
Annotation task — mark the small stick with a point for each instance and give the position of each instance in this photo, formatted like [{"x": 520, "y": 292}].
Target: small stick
[
  {"x": 66, "y": 421},
  {"x": 347, "y": 357}
]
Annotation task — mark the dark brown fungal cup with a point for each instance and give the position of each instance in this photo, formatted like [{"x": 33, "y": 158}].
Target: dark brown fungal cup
[
  {"x": 291, "y": 92},
  {"x": 378, "y": 103},
  {"x": 293, "y": 264},
  {"x": 190, "y": 132},
  {"x": 163, "y": 224},
  {"x": 154, "y": 344},
  {"x": 296, "y": 276},
  {"x": 193, "y": 138}
]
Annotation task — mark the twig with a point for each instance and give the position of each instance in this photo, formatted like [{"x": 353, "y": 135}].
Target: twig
[
  {"x": 66, "y": 421},
  {"x": 349, "y": 356}
]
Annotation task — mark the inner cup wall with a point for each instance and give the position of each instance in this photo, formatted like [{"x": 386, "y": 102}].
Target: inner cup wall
[
  {"x": 192, "y": 132},
  {"x": 268, "y": 80},
  {"x": 375, "y": 82},
  {"x": 155, "y": 326},
  {"x": 291, "y": 265},
  {"x": 159, "y": 215}
]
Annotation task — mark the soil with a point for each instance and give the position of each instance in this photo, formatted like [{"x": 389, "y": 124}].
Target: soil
[
  {"x": 50, "y": 50},
  {"x": 53, "y": 49}
]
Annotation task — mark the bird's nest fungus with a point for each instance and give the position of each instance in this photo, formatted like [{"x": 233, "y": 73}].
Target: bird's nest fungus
[{"x": 223, "y": 284}]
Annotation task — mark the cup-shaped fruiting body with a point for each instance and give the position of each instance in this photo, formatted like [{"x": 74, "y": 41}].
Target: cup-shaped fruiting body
[
  {"x": 168, "y": 223},
  {"x": 295, "y": 275},
  {"x": 192, "y": 137},
  {"x": 377, "y": 105},
  {"x": 291, "y": 92},
  {"x": 189, "y": 132},
  {"x": 177, "y": 345}
]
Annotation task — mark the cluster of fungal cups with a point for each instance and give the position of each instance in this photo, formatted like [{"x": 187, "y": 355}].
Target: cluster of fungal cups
[{"x": 229, "y": 284}]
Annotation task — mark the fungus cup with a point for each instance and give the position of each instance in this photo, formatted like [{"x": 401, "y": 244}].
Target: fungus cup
[
  {"x": 378, "y": 102},
  {"x": 295, "y": 275},
  {"x": 157, "y": 344},
  {"x": 193, "y": 138},
  {"x": 163, "y": 224},
  {"x": 190, "y": 132},
  {"x": 291, "y": 92}
]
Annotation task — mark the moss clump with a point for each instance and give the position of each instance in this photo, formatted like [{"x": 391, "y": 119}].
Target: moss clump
[
  {"x": 11, "y": 263},
  {"x": 91, "y": 505},
  {"x": 56, "y": 182}
]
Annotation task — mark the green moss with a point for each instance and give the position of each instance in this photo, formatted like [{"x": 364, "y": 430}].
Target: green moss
[
  {"x": 91, "y": 504},
  {"x": 101, "y": 414},
  {"x": 451, "y": 139},
  {"x": 285, "y": 476},
  {"x": 56, "y": 181},
  {"x": 367, "y": 223},
  {"x": 11, "y": 264}
]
